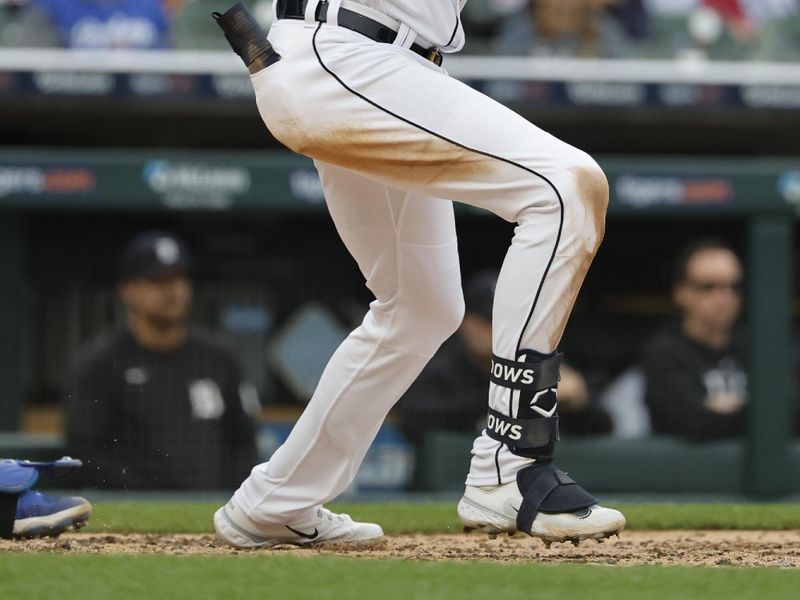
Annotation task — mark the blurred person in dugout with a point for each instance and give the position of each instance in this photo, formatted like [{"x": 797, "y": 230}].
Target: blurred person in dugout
[
  {"x": 159, "y": 403},
  {"x": 96, "y": 24},
  {"x": 570, "y": 27},
  {"x": 450, "y": 393},
  {"x": 585, "y": 28},
  {"x": 695, "y": 383}
]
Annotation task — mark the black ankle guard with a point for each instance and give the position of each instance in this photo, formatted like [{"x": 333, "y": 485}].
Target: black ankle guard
[
  {"x": 545, "y": 488},
  {"x": 531, "y": 433},
  {"x": 245, "y": 35}
]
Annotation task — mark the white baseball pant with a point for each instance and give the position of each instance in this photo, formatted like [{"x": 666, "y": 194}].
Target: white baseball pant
[{"x": 395, "y": 140}]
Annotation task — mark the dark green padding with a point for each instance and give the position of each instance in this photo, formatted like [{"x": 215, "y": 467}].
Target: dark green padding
[
  {"x": 601, "y": 465},
  {"x": 654, "y": 465}
]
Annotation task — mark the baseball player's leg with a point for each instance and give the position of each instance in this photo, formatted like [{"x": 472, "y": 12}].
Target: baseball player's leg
[
  {"x": 383, "y": 112},
  {"x": 406, "y": 248}
]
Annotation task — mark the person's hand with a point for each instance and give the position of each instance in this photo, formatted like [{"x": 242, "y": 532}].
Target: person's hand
[
  {"x": 723, "y": 403},
  {"x": 573, "y": 393}
]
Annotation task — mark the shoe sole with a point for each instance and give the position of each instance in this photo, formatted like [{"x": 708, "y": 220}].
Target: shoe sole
[
  {"x": 52, "y": 525},
  {"x": 476, "y": 517},
  {"x": 274, "y": 543}
]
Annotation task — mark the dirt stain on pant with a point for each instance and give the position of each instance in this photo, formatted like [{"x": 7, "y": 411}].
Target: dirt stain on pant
[
  {"x": 591, "y": 190},
  {"x": 408, "y": 156}
]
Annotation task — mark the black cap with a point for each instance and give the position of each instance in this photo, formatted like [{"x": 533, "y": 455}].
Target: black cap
[
  {"x": 154, "y": 254},
  {"x": 479, "y": 293}
]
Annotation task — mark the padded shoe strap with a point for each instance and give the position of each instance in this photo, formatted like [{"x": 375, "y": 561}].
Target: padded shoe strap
[{"x": 546, "y": 488}]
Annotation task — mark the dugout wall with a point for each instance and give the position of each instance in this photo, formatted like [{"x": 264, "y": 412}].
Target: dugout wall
[{"x": 63, "y": 214}]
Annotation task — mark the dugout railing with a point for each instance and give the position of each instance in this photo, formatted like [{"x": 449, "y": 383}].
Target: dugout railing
[{"x": 763, "y": 194}]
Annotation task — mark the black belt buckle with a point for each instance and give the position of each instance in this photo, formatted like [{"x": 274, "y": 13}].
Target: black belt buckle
[{"x": 435, "y": 56}]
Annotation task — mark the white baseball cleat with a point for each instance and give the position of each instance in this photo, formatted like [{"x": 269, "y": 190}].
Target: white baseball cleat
[
  {"x": 494, "y": 509},
  {"x": 234, "y": 528}
]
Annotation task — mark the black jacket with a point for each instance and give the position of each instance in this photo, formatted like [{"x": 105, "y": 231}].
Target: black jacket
[
  {"x": 680, "y": 374},
  {"x": 146, "y": 420}
]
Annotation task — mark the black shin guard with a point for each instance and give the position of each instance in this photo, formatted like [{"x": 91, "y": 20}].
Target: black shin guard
[
  {"x": 533, "y": 432},
  {"x": 246, "y": 37}
]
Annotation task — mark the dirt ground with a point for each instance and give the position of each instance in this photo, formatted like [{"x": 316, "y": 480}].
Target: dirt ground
[{"x": 732, "y": 548}]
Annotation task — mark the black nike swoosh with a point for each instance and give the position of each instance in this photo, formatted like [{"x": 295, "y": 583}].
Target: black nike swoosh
[{"x": 308, "y": 536}]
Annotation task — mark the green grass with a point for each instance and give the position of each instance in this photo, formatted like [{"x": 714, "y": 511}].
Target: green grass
[
  {"x": 270, "y": 575},
  {"x": 310, "y": 575},
  {"x": 195, "y": 517}
]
